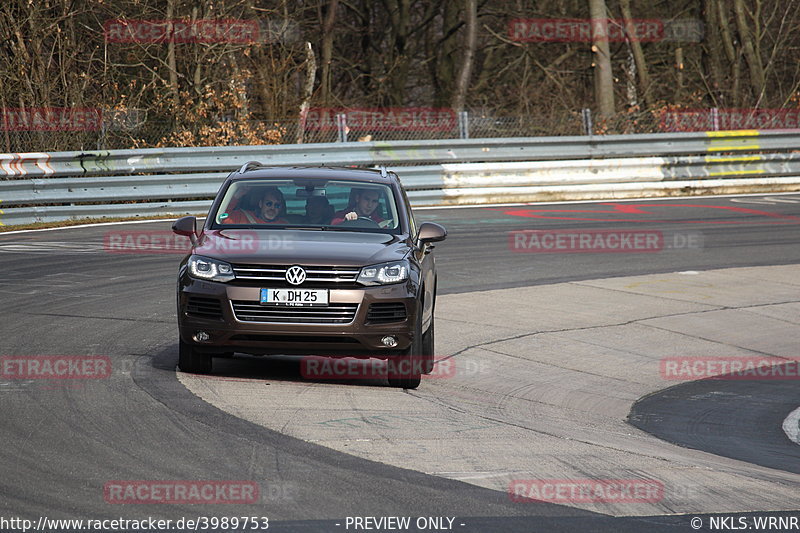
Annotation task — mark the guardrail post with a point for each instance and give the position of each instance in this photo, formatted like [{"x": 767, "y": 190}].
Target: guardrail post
[
  {"x": 586, "y": 115},
  {"x": 715, "y": 118},
  {"x": 463, "y": 125},
  {"x": 341, "y": 127}
]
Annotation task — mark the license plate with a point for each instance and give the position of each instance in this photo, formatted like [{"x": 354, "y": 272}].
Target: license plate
[{"x": 294, "y": 297}]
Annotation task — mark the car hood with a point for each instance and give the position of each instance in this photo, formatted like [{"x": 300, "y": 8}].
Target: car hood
[{"x": 306, "y": 247}]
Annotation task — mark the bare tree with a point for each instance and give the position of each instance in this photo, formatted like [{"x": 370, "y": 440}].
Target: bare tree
[
  {"x": 462, "y": 82},
  {"x": 636, "y": 50},
  {"x": 441, "y": 46},
  {"x": 711, "y": 70},
  {"x": 750, "y": 48},
  {"x": 327, "y": 51},
  {"x": 171, "y": 62},
  {"x": 398, "y": 59},
  {"x": 308, "y": 91},
  {"x": 603, "y": 75},
  {"x": 730, "y": 50}
]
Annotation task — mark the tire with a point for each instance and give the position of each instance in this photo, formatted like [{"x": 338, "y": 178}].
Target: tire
[
  {"x": 192, "y": 361},
  {"x": 428, "y": 350},
  {"x": 406, "y": 380},
  {"x": 408, "y": 362}
]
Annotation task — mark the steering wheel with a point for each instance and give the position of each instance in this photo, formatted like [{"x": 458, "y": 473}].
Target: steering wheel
[{"x": 361, "y": 222}]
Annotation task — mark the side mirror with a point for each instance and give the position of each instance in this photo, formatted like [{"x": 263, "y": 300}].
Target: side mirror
[
  {"x": 431, "y": 232},
  {"x": 186, "y": 226}
]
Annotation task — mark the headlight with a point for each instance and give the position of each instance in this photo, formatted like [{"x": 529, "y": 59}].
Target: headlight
[
  {"x": 383, "y": 274},
  {"x": 211, "y": 269}
]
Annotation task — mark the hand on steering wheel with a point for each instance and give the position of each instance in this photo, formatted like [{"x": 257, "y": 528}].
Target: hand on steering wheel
[{"x": 352, "y": 219}]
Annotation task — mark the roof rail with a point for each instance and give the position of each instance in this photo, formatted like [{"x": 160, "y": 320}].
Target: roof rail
[
  {"x": 383, "y": 171},
  {"x": 250, "y": 164}
]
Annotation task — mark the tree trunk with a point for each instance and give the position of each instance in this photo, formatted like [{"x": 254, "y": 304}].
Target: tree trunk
[
  {"x": 308, "y": 90},
  {"x": 400, "y": 16},
  {"x": 638, "y": 54},
  {"x": 679, "y": 85},
  {"x": 712, "y": 52},
  {"x": 603, "y": 75},
  {"x": 442, "y": 49},
  {"x": 171, "y": 63},
  {"x": 197, "y": 78},
  {"x": 327, "y": 51},
  {"x": 462, "y": 82},
  {"x": 630, "y": 74},
  {"x": 754, "y": 63},
  {"x": 730, "y": 51}
]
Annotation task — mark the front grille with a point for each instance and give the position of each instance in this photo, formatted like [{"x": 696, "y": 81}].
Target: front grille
[
  {"x": 329, "y": 339},
  {"x": 382, "y": 313},
  {"x": 203, "y": 307},
  {"x": 331, "y": 314},
  {"x": 319, "y": 276}
]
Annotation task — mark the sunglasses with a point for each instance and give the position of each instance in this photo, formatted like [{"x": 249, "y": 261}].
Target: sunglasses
[{"x": 270, "y": 203}]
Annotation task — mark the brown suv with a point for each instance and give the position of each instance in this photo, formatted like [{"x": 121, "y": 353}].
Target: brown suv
[{"x": 309, "y": 261}]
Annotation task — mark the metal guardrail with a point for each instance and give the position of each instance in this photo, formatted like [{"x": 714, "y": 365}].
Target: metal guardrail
[
  {"x": 208, "y": 159},
  {"x": 175, "y": 181}
]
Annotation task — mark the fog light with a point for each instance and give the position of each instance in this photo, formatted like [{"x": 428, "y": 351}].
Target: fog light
[
  {"x": 201, "y": 336},
  {"x": 389, "y": 341}
]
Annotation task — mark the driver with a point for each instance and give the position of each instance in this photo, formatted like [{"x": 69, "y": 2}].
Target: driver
[
  {"x": 365, "y": 205},
  {"x": 271, "y": 210}
]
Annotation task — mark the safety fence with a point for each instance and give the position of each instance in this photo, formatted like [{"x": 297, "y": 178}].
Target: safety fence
[{"x": 44, "y": 187}]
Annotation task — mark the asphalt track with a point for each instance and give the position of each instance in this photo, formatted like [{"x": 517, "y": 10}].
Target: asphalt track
[
  {"x": 737, "y": 419},
  {"x": 61, "y": 442}
]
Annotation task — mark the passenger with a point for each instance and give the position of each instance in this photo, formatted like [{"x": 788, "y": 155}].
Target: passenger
[
  {"x": 318, "y": 210},
  {"x": 365, "y": 205},
  {"x": 271, "y": 210}
]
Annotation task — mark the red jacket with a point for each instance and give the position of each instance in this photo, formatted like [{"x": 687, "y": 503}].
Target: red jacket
[
  {"x": 241, "y": 216},
  {"x": 237, "y": 215}
]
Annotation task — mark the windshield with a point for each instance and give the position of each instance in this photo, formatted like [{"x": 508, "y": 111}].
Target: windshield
[{"x": 321, "y": 204}]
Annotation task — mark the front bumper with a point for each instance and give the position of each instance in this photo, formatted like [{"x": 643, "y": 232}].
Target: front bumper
[{"x": 357, "y": 338}]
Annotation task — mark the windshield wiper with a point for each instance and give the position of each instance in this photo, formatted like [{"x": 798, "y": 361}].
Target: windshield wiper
[{"x": 314, "y": 228}]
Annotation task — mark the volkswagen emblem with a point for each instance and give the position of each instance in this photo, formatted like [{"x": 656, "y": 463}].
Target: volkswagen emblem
[{"x": 295, "y": 275}]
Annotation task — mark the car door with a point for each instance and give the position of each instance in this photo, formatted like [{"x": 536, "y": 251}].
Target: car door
[{"x": 424, "y": 258}]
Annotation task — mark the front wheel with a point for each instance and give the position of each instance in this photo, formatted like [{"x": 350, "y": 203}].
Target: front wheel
[
  {"x": 192, "y": 361},
  {"x": 407, "y": 375}
]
